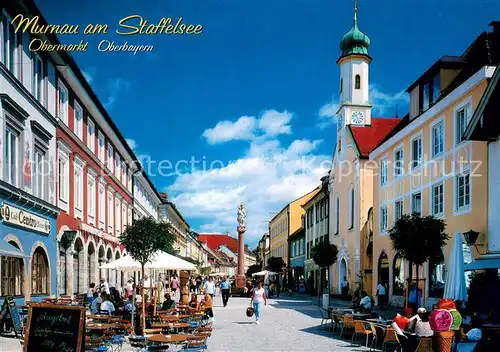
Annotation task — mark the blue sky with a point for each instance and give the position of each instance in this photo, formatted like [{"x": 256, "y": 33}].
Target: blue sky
[{"x": 254, "y": 94}]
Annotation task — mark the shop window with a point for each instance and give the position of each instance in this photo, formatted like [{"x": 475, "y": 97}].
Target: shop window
[
  {"x": 12, "y": 275},
  {"x": 398, "y": 276}
]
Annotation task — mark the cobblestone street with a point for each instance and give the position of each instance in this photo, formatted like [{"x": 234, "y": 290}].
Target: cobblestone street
[{"x": 287, "y": 324}]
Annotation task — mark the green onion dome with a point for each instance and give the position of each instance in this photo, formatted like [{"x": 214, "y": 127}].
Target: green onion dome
[{"x": 354, "y": 42}]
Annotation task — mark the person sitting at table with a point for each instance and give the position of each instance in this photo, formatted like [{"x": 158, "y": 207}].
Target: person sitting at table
[
  {"x": 128, "y": 305},
  {"x": 365, "y": 305},
  {"x": 206, "y": 305},
  {"x": 168, "y": 303},
  {"x": 90, "y": 292},
  {"x": 420, "y": 324},
  {"x": 96, "y": 304},
  {"x": 401, "y": 320},
  {"x": 193, "y": 303},
  {"x": 470, "y": 340},
  {"x": 107, "y": 306}
]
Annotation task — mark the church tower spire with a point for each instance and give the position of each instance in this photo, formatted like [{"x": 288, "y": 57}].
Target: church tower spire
[{"x": 354, "y": 64}]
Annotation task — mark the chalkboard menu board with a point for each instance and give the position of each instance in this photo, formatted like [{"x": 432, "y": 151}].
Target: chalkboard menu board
[
  {"x": 9, "y": 306},
  {"x": 55, "y": 328}
]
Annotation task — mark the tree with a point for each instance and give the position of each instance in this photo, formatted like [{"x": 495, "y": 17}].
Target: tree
[
  {"x": 418, "y": 239},
  {"x": 252, "y": 269},
  {"x": 324, "y": 255},
  {"x": 143, "y": 238},
  {"x": 275, "y": 264}
]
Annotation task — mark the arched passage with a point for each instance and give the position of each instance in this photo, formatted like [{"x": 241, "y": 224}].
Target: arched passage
[
  {"x": 342, "y": 273},
  {"x": 78, "y": 264},
  {"x": 91, "y": 263},
  {"x": 102, "y": 260},
  {"x": 40, "y": 274},
  {"x": 383, "y": 269},
  {"x": 398, "y": 276},
  {"x": 109, "y": 277}
]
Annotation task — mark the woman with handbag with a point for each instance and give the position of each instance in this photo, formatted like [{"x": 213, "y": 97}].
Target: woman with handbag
[{"x": 258, "y": 298}]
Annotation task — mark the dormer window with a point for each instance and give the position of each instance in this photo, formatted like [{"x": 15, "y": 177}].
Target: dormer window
[
  {"x": 429, "y": 92},
  {"x": 357, "y": 82}
]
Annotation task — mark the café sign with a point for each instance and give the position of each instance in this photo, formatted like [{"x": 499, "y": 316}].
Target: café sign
[
  {"x": 97, "y": 232},
  {"x": 25, "y": 219}
]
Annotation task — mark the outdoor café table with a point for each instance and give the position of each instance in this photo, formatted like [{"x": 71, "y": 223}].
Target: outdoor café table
[
  {"x": 383, "y": 322},
  {"x": 169, "y": 317},
  {"x": 491, "y": 326},
  {"x": 171, "y": 326},
  {"x": 359, "y": 316},
  {"x": 97, "y": 329},
  {"x": 103, "y": 317},
  {"x": 160, "y": 338}
]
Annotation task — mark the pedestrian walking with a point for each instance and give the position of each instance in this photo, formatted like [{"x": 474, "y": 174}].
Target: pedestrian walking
[
  {"x": 225, "y": 287},
  {"x": 381, "y": 295},
  {"x": 209, "y": 287},
  {"x": 259, "y": 298}
]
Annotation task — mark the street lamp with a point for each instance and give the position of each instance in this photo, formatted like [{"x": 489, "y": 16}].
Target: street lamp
[
  {"x": 471, "y": 237},
  {"x": 67, "y": 238}
]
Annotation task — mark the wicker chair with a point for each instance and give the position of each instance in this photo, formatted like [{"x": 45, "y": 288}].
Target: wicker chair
[
  {"x": 424, "y": 345},
  {"x": 390, "y": 338}
]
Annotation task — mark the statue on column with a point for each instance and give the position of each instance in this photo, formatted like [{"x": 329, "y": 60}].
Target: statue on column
[{"x": 241, "y": 217}]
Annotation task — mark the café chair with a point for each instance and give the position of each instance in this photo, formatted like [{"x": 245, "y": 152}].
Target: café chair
[
  {"x": 137, "y": 342},
  {"x": 324, "y": 317},
  {"x": 424, "y": 345},
  {"x": 390, "y": 338},
  {"x": 360, "y": 329},
  {"x": 347, "y": 324}
]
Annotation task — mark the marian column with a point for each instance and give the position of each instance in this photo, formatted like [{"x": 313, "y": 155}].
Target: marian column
[{"x": 240, "y": 275}]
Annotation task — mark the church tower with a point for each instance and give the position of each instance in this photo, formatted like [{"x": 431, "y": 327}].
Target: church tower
[{"x": 354, "y": 62}]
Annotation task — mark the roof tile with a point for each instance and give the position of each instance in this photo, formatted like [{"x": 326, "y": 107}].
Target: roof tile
[{"x": 368, "y": 137}]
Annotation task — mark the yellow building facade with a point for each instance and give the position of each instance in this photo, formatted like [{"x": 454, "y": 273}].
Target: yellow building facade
[
  {"x": 426, "y": 166},
  {"x": 286, "y": 222}
]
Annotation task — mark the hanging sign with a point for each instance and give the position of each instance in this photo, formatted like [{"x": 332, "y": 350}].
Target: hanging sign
[{"x": 25, "y": 219}]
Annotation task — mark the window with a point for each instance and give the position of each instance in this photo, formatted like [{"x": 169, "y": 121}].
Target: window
[
  {"x": 398, "y": 162},
  {"x": 91, "y": 135},
  {"x": 12, "y": 275},
  {"x": 124, "y": 174},
  {"x": 398, "y": 210},
  {"x": 124, "y": 216},
  {"x": 337, "y": 219},
  {"x": 39, "y": 174},
  {"x": 461, "y": 120},
  {"x": 416, "y": 152},
  {"x": 78, "y": 121},
  {"x": 316, "y": 209},
  {"x": 38, "y": 78},
  {"x": 39, "y": 272},
  {"x": 438, "y": 199},
  {"x": 463, "y": 191},
  {"x": 383, "y": 219},
  {"x": 63, "y": 170},
  {"x": 91, "y": 196},
  {"x": 351, "y": 208},
  {"x": 78, "y": 188},
  {"x": 110, "y": 213},
  {"x": 341, "y": 84},
  {"x": 426, "y": 96},
  {"x": 383, "y": 171},
  {"x": 416, "y": 204},
  {"x": 436, "y": 88},
  {"x": 9, "y": 44},
  {"x": 118, "y": 164},
  {"x": 110, "y": 157},
  {"x": 327, "y": 206},
  {"x": 129, "y": 182},
  {"x": 11, "y": 155},
  {"x": 102, "y": 205},
  {"x": 118, "y": 215},
  {"x": 438, "y": 139},
  {"x": 62, "y": 107},
  {"x": 101, "y": 147},
  {"x": 357, "y": 82}
]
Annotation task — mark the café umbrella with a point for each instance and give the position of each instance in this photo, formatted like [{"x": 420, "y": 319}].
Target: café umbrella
[
  {"x": 455, "y": 287},
  {"x": 160, "y": 260}
]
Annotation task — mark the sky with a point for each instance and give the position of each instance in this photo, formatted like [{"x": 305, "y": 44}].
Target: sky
[{"x": 244, "y": 112}]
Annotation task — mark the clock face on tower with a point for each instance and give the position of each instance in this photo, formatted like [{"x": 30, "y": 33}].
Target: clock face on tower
[{"x": 358, "y": 118}]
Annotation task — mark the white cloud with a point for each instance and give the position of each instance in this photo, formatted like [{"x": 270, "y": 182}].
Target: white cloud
[
  {"x": 248, "y": 128},
  {"x": 384, "y": 104},
  {"x": 225, "y": 131},
  {"x": 131, "y": 143},
  {"x": 89, "y": 73},
  {"x": 115, "y": 86},
  {"x": 266, "y": 178},
  {"x": 274, "y": 123},
  {"x": 327, "y": 115}
]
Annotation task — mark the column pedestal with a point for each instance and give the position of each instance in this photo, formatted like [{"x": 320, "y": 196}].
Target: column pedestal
[{"x": 240, "y": 275}]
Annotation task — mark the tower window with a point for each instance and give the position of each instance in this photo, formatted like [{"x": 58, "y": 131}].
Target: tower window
[
  {"x": 357, "y": 82},
  {"x": 341, "y": 84}
]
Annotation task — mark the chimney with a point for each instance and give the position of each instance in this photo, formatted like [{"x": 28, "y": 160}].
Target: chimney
[
  {"x": 495, "y": 26},
  {"x": 164, "y": 197}
]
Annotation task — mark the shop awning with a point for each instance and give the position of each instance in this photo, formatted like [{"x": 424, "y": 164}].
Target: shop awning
[
  {"x": 8, "y": 250},
  {"x": 482, "y": 264}
]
